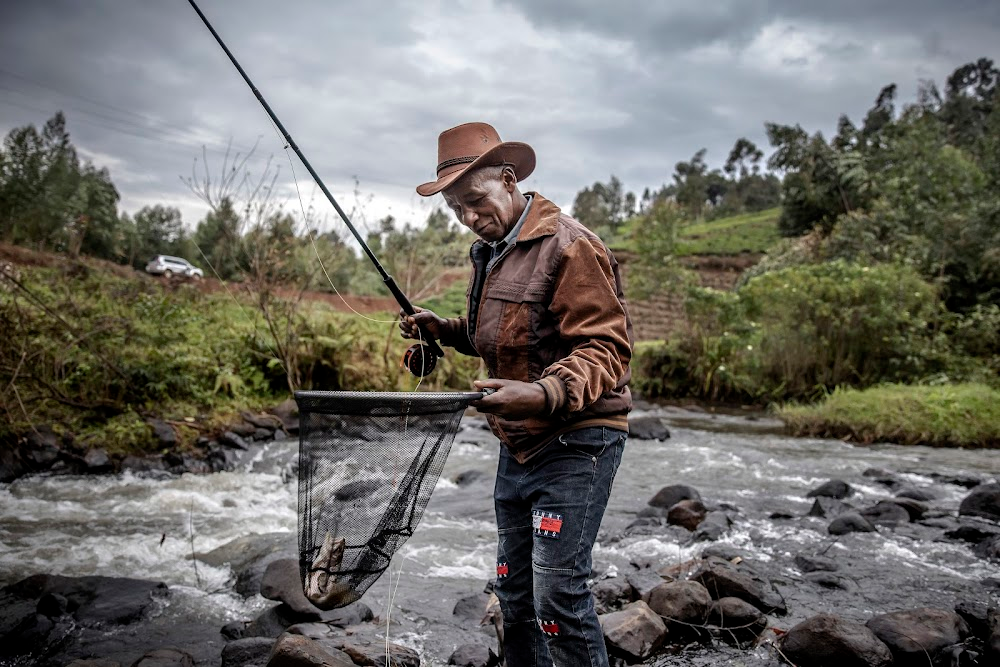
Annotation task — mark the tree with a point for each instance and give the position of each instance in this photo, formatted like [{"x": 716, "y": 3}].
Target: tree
[
  {"x": 743, "y": 158},
  {"x": 692, "y": 182},
  {"x": 603, "y": 207},
  {"x": 158, "y": 230}
]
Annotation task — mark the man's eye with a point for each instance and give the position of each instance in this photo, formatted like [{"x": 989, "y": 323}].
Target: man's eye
[{"x": 478, "y": 201}]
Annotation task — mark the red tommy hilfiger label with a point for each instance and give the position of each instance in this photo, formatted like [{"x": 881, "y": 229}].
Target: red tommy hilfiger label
[
  {"x": 546, "y": 524},
  {"x": 549, "y": 627},
  {"x": 501, "y": 570}
]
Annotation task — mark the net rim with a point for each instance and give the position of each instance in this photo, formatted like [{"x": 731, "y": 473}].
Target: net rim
[{"x": 409, "y": 396}]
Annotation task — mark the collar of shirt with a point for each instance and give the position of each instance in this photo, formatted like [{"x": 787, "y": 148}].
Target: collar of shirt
[{"x": 515, "y": 230}]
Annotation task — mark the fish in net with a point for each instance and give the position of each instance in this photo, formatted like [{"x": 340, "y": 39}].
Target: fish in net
[{"x": 368, "y": 463}]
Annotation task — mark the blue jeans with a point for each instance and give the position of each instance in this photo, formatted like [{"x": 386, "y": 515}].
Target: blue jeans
[{"x": 548, "y": 513}]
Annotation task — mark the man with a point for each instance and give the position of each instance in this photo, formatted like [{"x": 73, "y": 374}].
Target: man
[{"x": 547, "y": 315}]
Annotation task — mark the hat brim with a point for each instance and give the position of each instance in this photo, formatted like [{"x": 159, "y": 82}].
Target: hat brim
[{"x": 519, "y": 155}]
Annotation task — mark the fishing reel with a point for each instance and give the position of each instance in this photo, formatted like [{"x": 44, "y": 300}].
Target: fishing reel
[{"x": 419, "y": 360}]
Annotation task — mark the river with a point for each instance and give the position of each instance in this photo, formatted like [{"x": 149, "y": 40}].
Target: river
[{"x": 147, "y": 527}]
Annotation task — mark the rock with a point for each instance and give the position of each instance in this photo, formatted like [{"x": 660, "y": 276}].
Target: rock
[
  {"x": 272, "y": 622},
  {"x": 669, "y": 496},
  {"x": 740, "y": 621},
  {"x": 281, "y": 583},
  {"x": 643, "y": 582},
  {"x": 612, "y": 594},
  {"x": 370, "y": 650},
  {"x": 165, "y": 657},
  {"x": 92, "y": 600},
  {"x": 96, "y": 461},
  {"x": 262, "y": 434},
  {"x": 634, "y": 632},
  {"x": 288, "y": 412},
  {"x": 472, "y": 608},
  {"x": 653, "y": 512},
  {"x": 815, "y": 563},
  {"x": 647, "y": 428},
  {"x": 988, "y": 549},
  {"x": 249, "y": 652},
  {"x": 687, "y": 513},
  {"x": 12, "y": 465},
  {"x": 976, "y": 615},
  {"x": 723, "y": 579},
  {"x": 299, "y": 651},
  {"x": 835, "y": 488},
  {"x": 915, "y": 508},
  {"x": 471, "y": 655},
  {"x": 685, "y": 601},
  {"x": 826, "y": 640},
  {"x": 355, "y": 613},
  {"x": 724, "y": 551},
  {"x": 993, "y": 648},
  {"x": 52, "y": 605},
  {"x": 264, "y": 421},
  {"x": 960, "y": 479},
  {"x": 850, "y": 522},
  {"x": 221, "y": 458},
  {"x": 712, "y": 527},
  {"x": 234, "y": 630},
  {"x": 166, "y": 437},
  {"x": 830, "y": 580},
  {"x": 42, "y": 448},
  {"x": 913, "y": 493},
  {"x": 823, "y": 507},
  {"x": 886, "y": 513},
  {"x": 974, "y": 530},
  {"x": 243, "y": 429},
  {"x": 884, "y": 477},
  {"x": 95, "y": 662},
  {"x": 248, "y": 557},
  {"x": 142, "y": 464},
  {"x": 468, "y": 477},
  {"x": 984, "y": 501},
  {"x": 230, "y": 439},
  {"x": 914, "y": 635},
  {"x": 780, "y": 516}
]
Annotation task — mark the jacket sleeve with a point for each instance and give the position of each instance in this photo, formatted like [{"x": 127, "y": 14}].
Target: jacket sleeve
[
  {"x": 593, "y": 320},
  {"x": 457, "y": 336}
]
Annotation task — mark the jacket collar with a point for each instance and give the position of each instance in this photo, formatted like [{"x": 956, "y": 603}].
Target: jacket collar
[{"x": 543, "y": 218}]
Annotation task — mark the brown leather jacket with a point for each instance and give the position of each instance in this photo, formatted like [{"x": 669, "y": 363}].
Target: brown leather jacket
[{"x": 550, "y": 310}]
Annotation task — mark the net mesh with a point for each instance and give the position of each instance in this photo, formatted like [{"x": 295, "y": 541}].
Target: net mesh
[{"x": 368, "y": 463}]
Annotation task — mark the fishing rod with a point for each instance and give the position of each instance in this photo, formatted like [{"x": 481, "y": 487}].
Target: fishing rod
[{"x": 417, "y": 360}]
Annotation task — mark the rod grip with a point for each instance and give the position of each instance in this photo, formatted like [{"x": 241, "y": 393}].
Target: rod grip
[{"x": 407, "y": 307}]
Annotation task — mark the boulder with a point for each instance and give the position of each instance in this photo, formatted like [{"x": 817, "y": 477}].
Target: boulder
[
  {"x": 97, "y": 461},
  {"x": 234, "y": 630},
  {"x": 471, "y": 608},
  {"x": 913, "y": 493},
  {"x": 94, "y": 662},
  {"x": 248, "y": 557},
  {"x": 915, "y": 508},
  {"x": 723, "y": 579},
  {"x": 826, "y": 640},
  {"x": 141, "y": 465},
  {"x": 12, "y": 465},
  {"x": 886, "y": 513},
  {"x": 471, "y": 655},
  {"x": 467, "y": 477},
  {"x": 884, "y": 477},
  {"x": 265, "y": 421},
  {"x": 984, "y": 501},
  {"x": 163, "y": 433},
  {"x": 165, "y": 657},
  {"x": 288, "y": 412},
  {"x": 960, "y": 479},
  {"x": 272, "y": 622},
  {"x": 299, "y": 651},
  {"x": 249, "y": 652},
  {"x": 352, "y": 614},
  {"x": 830, "y": 580},
  {"x": 687, "y": 513},
  {"x": 850, "y": 522},
  {"x": 234, "y": 440},
  {"x": 41, "y": 447},
  {"x": 635, "y": 632},
  {"x": 371, "y": 651},
  {"x": 94, "y": 600},
  {"x": 914, "y": 635},
  {"x": 835, "y": 488},
  {"x": 815, "y": 563},
  {"x": 824, "y": 507},
  {"x": 643, "y": 582},
  {"x": 612, "y": 593},
  {"x": 685, "y": 601},
  {"x": 988, "y": 549},
  {"x": 739, "y": 622},
  {"x": 712, "y": 527},
  {"x": 647, "y": 428},
  {"x": 976, "y": 614},
  {"x": 281, "y": 583},
  {"x": 669, "y": 496}
]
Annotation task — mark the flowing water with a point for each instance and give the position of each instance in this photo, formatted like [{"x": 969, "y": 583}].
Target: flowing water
[{"x": 147, "y": 527}]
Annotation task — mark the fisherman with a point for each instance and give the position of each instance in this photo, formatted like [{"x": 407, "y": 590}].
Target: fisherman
[{"x": 547, "y": 315}]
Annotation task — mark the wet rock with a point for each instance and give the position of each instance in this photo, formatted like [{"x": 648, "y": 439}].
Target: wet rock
[
  {"x": 835, "y": 488},
  {"x": 850, "y": 522},
  {"x": 272, "y": 622},
  {"x": 884, "y": 477},
  {"x": 471, "y": 608},
  {"x": 234, "y": 440},
  {"x": 914, "y": 634},
  {"x": 725, "y": 552},
  {"x": 288, "y": 413},
  {"x": 687, "y": 513},
  {"x": 960, "y": 479},
  {"x": 163, "y": 433},
  {"x": 643, "y": 582},
  {"x": 685, "y": 601},
  {"x": 913, "y": 493},
  {"x": 976, "y": 615},
  {"x": 234, "y": 630},
  {"x": 635, "y": 632},
  {"x": 780, "y": 516},
  {"x": 669, "y": 496},
  {"x": 248, "y": 556},
  {"x": 468, "y": 477},
  {"x": 988, "y": 549},
  {"x": 299, "y": 651},
  {"x": 824, "y": 640},
  {"x": 94, "y": 662},
  {"x": 648, "y": 428},
  {"x": 723, "y": 579},
  {"x": 824, "y": 507},
  {"x": 974, "y": 530},
  {"x": 52, "y": 605},
  {"x": 42, "y": 447},
  {"x": 165, "y": 657},
  {"x": 915, "y": 508},
  {"x": 352, "y": 614},
  {"x": 142, "y": 464},
  {"x": 740, "y": 622},
  {"x": 984, "y": 501},
  {"x": 993, "y": 648},
  {"x": 249, "y": 652},
  {"x": 96, "y": 461},
  {"x": 370, "y": 650},
  {"x": 815, "y": 563},
  {"x": 221, "y": 458},
  {"x": 612, "y": 593},
  {"x": 262, "y": 434},
  {"x": 11, "y": 465},
  {"x": 830, "y": 580},
  {"x": 264, "y": 421},
  {"x": 712, "y": 527},
  {"x": 243, "y": 429},
  {"x": 886, "y": 513},
  {"x": 281, "y": 583},
  {"x": 471, "y": 655},
  {"x": 92, "y": 600}
]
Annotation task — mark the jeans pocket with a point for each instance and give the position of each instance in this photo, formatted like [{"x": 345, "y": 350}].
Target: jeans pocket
[{"x": 590, "y": 442}]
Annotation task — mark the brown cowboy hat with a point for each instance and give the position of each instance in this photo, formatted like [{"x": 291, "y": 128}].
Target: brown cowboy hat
[{"x": 476, "y": 145}]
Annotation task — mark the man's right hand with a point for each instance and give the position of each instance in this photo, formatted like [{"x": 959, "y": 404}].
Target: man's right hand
[{"x": 427, "y": 320}]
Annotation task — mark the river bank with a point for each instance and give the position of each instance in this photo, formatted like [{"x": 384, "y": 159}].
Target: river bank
[{"x": 142, "y": 525}]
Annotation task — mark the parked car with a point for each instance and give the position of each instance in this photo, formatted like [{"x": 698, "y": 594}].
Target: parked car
[{"x": 165, "y": 265}]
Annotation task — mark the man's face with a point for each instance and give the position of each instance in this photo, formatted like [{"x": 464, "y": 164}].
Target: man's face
[{"x": 484, "y": 202}]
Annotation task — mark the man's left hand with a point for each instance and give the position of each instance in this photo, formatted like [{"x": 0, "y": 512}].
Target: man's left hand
[{"x": 511, "y": 399}]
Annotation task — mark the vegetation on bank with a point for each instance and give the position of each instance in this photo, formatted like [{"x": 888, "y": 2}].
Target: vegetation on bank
[
  {"x": 755, "y": 232},
  {"x": 964, "y": 415}
]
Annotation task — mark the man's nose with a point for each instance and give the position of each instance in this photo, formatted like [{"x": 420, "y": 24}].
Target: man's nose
[{"x": 469, "y": 217}]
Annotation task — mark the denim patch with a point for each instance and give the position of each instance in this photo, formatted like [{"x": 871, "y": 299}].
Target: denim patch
[
  {"x": 502, "y": 570},
  {"x": 551, "y": 628},
  {"x": 546, "y": 524}
]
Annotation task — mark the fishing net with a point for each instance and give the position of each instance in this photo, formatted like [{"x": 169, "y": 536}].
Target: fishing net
[{"x": 368, "y": 462}]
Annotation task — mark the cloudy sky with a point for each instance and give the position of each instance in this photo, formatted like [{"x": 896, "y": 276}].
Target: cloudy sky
[{"x": 597, "y": 87}]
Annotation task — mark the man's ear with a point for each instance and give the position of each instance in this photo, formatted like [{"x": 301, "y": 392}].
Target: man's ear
[{"x": 509, "y": 179}]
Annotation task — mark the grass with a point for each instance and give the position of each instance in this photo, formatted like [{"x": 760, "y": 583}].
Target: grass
[
  {"x": 749, "y": 232},
  {"x": 960, "y": 415}
]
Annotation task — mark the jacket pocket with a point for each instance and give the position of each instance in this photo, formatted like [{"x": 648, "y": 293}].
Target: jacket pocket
[{"x": 509, "y": 323}]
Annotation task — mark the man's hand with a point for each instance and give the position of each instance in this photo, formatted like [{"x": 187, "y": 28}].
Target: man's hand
[
  {"x": 427, "y": 320},
  {"x": 512, "y": 399}
]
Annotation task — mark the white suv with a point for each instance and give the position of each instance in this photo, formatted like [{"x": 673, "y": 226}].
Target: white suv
[{"x": 167, "y": 266}]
